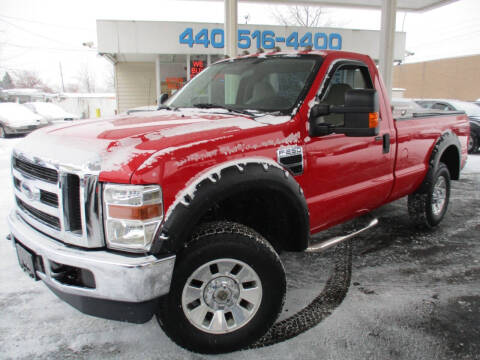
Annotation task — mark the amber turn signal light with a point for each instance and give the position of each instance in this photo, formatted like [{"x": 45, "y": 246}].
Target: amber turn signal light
[
  {"x": 144, "y": 212},
  {"x": 373, "y": 120}
]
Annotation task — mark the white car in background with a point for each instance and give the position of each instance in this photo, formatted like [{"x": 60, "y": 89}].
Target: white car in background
[
  {"x": 16, "y": 119},
  {"x": 142, "y": 109},
  {"x": 406, "y": 108},
  {"x": 51, "y": 112}
]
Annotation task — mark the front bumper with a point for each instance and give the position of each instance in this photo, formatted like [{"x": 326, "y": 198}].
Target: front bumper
[{"x": 117, "y": 277}]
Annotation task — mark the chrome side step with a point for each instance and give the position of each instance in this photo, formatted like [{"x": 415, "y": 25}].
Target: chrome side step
[{"x": 324, "y": 245}]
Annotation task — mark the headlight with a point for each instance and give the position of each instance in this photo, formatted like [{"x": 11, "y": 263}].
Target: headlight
[{"x": 132, "y": 215}]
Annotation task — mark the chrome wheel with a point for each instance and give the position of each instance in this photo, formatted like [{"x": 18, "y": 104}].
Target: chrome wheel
[
  {"x": 221, "y": 296},
  {"x": 439, "y": 195}
]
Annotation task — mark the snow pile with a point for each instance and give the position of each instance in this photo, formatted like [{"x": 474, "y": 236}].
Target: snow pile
[{"x": 473, "y": 165}]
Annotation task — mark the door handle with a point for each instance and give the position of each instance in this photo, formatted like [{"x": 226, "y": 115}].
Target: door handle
[{"x": 386, "y": 143}]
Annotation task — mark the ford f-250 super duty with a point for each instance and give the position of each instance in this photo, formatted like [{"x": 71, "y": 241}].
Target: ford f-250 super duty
[{"x": 181, "y": 212}]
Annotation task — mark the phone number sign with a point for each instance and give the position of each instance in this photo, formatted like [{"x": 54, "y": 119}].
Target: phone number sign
[{"x": 266, "y": 39}]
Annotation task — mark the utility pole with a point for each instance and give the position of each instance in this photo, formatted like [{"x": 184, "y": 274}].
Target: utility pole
[
  {"x": 230, "y": 26},
  {"x": 61, "y": 76}
]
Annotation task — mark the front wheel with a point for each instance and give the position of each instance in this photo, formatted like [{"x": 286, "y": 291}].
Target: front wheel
[
  {"x": 428, "y": 206},
  {"x": 227, "y": 289}
]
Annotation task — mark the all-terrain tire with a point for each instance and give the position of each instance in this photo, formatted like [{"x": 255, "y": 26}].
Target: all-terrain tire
[
  {"x": 425, "y": 206},
  {"x": 220, "y": 241}
]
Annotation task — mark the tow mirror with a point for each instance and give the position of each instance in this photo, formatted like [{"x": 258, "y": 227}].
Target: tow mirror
[{"x": 360, "y": 115}]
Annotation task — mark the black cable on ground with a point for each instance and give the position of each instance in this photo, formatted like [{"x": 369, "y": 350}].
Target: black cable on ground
[{"x": 322, "y": 306}]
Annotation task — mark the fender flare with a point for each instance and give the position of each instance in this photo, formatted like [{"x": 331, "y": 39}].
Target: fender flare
[
  {"x": 220, "y": 182},
  {"x": 447, "y": 139}
]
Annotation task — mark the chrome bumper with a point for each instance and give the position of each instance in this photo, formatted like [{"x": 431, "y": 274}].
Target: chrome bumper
[{"x": 117, "y": 277}]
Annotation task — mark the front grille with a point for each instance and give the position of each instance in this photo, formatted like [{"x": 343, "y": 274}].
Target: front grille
[
  {"x": 72, "y": 203},
  {"x": 45, "y": 218},
  {"x": 36, "y": 171},
  {"x": 49, "y": 198},
  {"x": 59, "y": 202}
]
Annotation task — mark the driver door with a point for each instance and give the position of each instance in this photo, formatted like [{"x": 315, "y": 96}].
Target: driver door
[{"x": 347, "y": 174}]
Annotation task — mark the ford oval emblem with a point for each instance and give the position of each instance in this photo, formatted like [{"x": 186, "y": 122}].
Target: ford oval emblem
[{"x": 30, "y": 191}]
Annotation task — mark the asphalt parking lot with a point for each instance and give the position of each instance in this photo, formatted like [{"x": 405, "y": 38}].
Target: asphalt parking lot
[{"x": 412, "y": 295}]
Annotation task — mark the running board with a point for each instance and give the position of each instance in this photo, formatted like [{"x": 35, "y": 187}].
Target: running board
[{"x": 324, "y": 245}]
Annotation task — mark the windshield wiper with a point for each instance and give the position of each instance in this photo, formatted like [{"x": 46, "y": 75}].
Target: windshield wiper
[{"x": 214, "y": 106}]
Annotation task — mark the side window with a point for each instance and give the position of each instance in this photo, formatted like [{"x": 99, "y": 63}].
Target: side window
[
  {"x": 345, "y": 77},
  {"x": 438, "y": 106},
  {"x": 441, "y": 106}
]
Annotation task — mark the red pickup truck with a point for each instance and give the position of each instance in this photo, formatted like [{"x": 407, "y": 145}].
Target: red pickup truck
[{"x": 181, "y": 212}]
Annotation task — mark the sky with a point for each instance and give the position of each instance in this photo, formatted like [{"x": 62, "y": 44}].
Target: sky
[{"x": 43, "y": 35}]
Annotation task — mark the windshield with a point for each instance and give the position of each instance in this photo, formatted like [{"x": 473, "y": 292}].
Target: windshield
[
  {"x": 15, "y": 112},
  {"x": 49, "y": 110},
  {"x": 263, "y": 84}
]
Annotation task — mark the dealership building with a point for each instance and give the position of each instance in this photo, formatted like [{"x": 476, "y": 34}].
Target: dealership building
[
  {"x": 451, "y": 78},
  {"x": 153, "y": 57}
]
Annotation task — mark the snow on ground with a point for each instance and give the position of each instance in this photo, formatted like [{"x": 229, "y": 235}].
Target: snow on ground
[
  {"x": 473, "y": 165},
  {"x": 413, "y": 295}
]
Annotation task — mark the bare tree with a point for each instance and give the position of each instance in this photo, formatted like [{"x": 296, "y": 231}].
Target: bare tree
[
  {"x": 25, "y": 79},
  {"x": 303, "y": 15},
  {"x": 72, "y": 87},
  {"x": 110, "y": 80},
  {"x": 7, "y": 82},
  {"x": 86, "y": 79}
]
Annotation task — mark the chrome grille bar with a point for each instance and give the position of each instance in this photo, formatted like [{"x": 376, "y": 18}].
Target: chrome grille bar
[
  {"x": 36, "y": 171},
  {"x": 41, "y": 216}
]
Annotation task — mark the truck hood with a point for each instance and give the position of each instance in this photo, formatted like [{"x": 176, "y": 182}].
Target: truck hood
[{"x": 115, "y": 148}]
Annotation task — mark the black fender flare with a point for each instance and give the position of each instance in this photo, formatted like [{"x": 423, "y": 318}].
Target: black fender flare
[
  {"x": 220, "y": 182},
  {"x": 445, "y": 141}
]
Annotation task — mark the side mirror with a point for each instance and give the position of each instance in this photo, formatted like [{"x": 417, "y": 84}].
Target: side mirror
[
  {"x": 360, "y": 115},
  {"x": 162, "y": 98}
]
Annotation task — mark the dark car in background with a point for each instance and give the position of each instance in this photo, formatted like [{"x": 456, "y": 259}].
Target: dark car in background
[{"x": 472, "y": 111}]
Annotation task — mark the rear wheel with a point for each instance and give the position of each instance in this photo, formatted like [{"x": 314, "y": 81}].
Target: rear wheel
[
  {"x": 227, "y": 289},
  {"x": 428, "y": 205}
]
